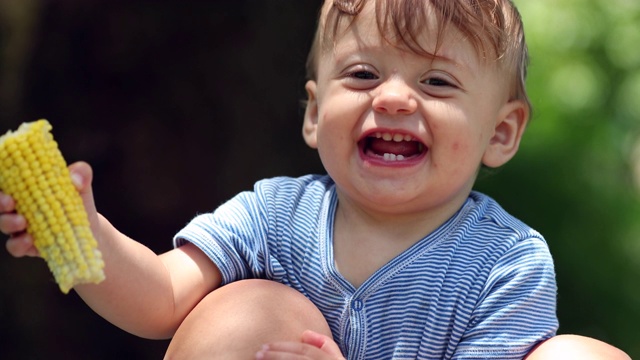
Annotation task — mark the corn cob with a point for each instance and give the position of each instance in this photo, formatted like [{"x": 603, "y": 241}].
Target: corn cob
[{"x": 34, "y": 173}]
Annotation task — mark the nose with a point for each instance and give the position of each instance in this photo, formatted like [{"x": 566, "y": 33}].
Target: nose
[{"x": 394, "y": 97}]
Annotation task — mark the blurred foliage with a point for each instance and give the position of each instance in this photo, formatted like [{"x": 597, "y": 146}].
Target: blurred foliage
[
  {"x": 179, "y": 105},
  {"x": 576, "y": 178}
]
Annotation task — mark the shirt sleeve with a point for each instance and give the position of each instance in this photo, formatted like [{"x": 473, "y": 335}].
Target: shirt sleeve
[
  {"x": 517, "y": 307},
  {"x": 233, "y": 236}
]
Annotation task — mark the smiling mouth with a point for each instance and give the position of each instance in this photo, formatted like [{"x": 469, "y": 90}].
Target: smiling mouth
[{"x": 392, "y": 147}]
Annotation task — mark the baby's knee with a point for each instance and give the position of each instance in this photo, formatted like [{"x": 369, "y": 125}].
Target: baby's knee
[
  {"x": 239, "y": 317},
  {"x": 576, "y": 347}
]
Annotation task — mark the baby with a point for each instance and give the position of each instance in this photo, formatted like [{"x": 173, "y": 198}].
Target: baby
[{"x": 389, "y": 255}]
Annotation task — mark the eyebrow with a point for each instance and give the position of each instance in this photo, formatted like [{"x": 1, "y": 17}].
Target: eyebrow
[
  {"x": 440, "y": 56},
  {"x": 468, "y": 66},
  {"x": 451, "y": 61}
]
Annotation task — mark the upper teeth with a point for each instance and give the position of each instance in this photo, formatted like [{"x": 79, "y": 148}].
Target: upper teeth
[{"x": 395, "y": 137}]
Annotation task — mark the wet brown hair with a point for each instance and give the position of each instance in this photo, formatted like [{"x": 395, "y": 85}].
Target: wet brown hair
[{"x": 493, "y": 27}]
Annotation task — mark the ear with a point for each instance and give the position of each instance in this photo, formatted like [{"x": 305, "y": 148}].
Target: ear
[
  {"x": 310, "y": 125},
  {"x": 512, "y": 120}
]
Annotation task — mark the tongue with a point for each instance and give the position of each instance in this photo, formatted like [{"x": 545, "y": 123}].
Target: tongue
[{"x": 404, "y": 148}]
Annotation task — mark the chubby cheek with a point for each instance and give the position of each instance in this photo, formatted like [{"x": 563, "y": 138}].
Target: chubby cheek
[
  {"x": 463, "y": 150},
  {"x": 329, "y": 136},
  {"x": 460, "y": 158},
  {"x": 333, "y": 127},
  {"x": 460, "y": 153}
]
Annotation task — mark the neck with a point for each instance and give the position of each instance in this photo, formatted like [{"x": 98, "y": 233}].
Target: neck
[
  {"x": 364, "y": 241},
  {"x": 402, "y": 223}
]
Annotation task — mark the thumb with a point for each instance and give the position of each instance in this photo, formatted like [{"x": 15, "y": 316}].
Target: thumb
[{"x": 82, "y": 176}]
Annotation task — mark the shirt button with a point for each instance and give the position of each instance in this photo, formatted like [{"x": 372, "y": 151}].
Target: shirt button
[{"x": 357, "y": 305}]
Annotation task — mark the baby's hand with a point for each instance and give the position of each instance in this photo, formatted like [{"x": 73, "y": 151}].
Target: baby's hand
[
  {"x": 313, "y": 346},
  {"x": 20, "y": 243}
]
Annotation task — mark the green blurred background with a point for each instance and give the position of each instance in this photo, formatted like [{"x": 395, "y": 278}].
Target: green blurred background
[{"x": 178, "y": 105}]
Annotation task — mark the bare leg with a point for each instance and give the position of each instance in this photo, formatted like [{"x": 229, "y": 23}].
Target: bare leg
[
  {"x": 234, "y": 321},
  {"x": 570, "y": 347}
]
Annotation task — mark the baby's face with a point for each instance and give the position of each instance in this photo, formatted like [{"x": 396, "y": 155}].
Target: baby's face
[{"x": 402, "y": 131}]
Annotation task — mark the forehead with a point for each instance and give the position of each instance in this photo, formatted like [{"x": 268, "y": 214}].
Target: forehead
[{"x": 377, "y": 27}]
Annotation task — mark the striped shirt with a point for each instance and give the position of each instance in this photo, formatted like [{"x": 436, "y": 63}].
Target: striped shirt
[{"x": 481, "y": 286}]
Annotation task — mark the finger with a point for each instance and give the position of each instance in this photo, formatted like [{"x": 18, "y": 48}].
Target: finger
[
  {"x": 21, "y": 245},
  {"x": 273, "y": 355},
  {"x": 7, "y": 204},
  {"x": 323, "y": 342},
  {"x": 12, "y": 223},
  {"x": 293, "y": 350},
  {"x": 82, "y": 176}
]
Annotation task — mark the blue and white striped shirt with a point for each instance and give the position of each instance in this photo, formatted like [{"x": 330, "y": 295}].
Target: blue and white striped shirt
[{"x": 481, "y": 286}]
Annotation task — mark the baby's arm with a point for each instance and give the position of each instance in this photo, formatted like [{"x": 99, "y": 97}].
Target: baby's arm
[{"x": 145, "y": 294}]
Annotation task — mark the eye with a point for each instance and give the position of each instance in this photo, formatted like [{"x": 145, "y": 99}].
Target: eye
[
  {"x": 437, "y": 81},
  {"x": 440, "y": 84},
  {"x": 362, "y": 75}
]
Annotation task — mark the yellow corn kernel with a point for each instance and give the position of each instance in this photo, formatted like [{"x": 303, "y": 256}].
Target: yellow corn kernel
[{"x": 34, "y": 173}]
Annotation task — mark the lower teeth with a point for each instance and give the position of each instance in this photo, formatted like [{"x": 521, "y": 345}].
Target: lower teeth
[{"x": 393, "y": 157}]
